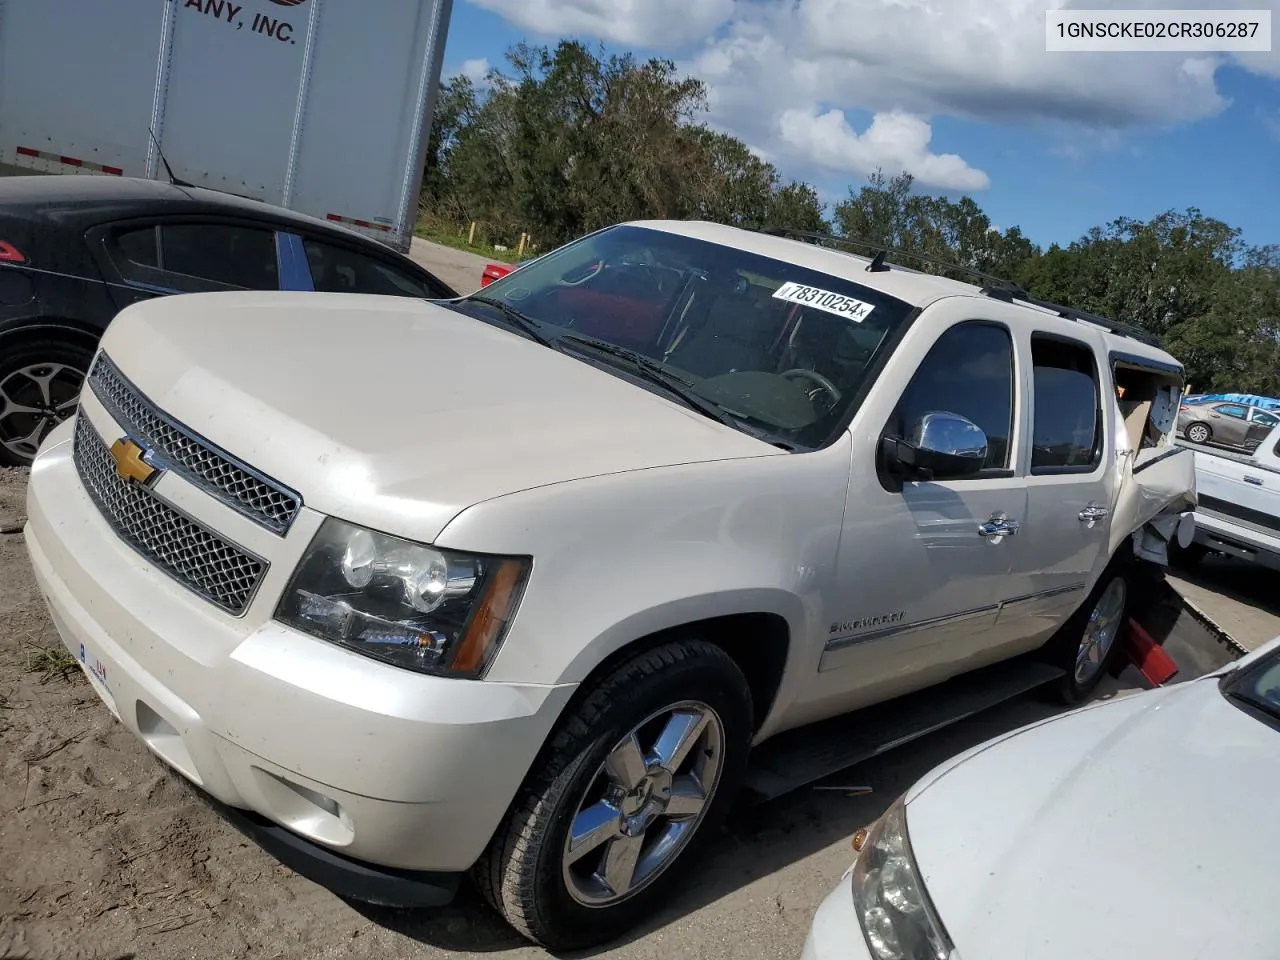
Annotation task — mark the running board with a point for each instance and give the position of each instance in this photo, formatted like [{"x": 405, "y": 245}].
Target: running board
[{"x": 799, "y": 757}]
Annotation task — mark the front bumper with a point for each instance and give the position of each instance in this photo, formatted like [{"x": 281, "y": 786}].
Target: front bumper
[
  {"x": 836, "y": 933},
  {"x": 371, "y": 762}
]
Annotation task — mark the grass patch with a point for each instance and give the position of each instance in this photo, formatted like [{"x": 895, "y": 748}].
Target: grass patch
[
  {"x": 51, "y": 662},
  {"x": 455, "y": 237}
]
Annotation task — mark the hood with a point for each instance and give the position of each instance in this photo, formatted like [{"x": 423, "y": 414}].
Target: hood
[
  {"x": 1141, "y": 827},
  {"x": 397, "y": 413}
]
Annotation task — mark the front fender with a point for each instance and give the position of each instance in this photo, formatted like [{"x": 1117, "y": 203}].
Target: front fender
[{"x": 620, "y": 557}]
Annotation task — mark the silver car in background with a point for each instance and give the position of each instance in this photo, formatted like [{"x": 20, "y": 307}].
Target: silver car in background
[{"x": 1238, "y": 425}]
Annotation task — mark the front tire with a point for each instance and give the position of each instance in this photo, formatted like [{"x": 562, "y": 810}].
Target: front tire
[
  {"x": 638, "y": 777},
  {"x": 40, "y": 383}
]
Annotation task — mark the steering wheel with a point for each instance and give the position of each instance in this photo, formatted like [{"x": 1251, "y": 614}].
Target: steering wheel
[
  {"x": 593, "y": 270},
  {"x": 819, "y": 381}
]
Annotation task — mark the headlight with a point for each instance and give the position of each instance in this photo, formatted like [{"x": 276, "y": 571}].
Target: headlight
[
  {"x": 418, "y": 607},
  {"x": 897, "y": 918}
]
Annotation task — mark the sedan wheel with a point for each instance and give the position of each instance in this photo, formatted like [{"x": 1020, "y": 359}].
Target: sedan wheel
[
  {"x": 35, "y": 398},
  {"x": 1199, "y": 433}
]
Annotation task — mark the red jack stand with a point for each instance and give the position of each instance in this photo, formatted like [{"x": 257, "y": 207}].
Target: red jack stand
[{"x": 1155, "y": 665}]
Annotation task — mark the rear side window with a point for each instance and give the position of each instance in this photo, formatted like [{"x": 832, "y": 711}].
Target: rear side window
[
  {"x": 232, "y": 255},
  {"x": 969, "y": 371},
  {"x": 1068, "y": 414},
  {"x": 1233, "y": 410},
  {"x": 339, "y": 270},
  {"x": 140, "y": 246}
]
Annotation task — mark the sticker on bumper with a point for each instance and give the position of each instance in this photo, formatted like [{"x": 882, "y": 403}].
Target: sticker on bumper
[{"x": 842, "y": 306}]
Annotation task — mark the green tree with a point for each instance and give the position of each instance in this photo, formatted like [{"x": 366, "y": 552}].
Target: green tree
[{"x": 568, "y": 140}]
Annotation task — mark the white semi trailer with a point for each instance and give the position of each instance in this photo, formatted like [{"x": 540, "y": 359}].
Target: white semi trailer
[{"x": 320, "y": 106}]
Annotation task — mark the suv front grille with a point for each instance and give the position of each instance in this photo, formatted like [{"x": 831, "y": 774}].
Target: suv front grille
[
  {"x": 263, "y": 500},
  {"x": 181, "y": 546}
]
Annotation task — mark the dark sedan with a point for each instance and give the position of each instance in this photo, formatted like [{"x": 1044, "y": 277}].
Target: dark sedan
[{"x": 75, "y": 250}]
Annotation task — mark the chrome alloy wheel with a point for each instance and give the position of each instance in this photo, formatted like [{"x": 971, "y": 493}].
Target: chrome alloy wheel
[
  {"x": 1101, "y": 630},
  {"x": 644, "y": 804},
  {"x": 33, "y": 400}
]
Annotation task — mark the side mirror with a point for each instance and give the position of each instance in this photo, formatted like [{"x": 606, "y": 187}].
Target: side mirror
[{"x": 939, "y": 443}]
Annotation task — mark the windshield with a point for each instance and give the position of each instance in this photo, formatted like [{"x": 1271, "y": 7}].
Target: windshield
[
  {"x": 778, "y": 350},
  {"x": 1256, "y": 688}
]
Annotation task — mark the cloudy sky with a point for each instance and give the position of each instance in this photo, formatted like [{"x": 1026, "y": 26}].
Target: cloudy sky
[{"x": 960, "y": 93}]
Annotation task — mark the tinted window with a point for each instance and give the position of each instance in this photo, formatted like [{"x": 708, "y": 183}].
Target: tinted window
[
  {"x": 139, "y": 246},
  {"x": 1231, "y": 410},
  {"x": 235, "y": 256},
  {"x": 782, "y": 350},
  {"x": 339, "y": 270},
  {"x": 969, "y": 371},
  {"x": 1265, "y": 419},
  {"x": 1068, "y": 417}
]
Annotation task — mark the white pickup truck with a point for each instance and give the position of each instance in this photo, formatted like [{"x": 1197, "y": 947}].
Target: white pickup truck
[
  {"x": 526, "y": 584},
  {"x": 1239, "y": 503}
]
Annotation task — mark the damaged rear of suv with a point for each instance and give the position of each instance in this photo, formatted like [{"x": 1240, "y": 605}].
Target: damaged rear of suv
[{"x": 512, "y": 585}]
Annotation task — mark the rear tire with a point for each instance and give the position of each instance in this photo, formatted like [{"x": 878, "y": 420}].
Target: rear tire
[
  {"x": 602, "y": 773},
  {"x": 40, "y": 381},
  {"x": 1088, "y": 643}
]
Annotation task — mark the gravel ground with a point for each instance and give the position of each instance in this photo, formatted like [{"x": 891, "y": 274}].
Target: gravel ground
[{"x": 460, "y": 269}]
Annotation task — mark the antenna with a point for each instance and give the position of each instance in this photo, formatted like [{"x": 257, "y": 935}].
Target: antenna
[
  {"x": 877, "y": 264},
  {"x": 167, "y": 169}
]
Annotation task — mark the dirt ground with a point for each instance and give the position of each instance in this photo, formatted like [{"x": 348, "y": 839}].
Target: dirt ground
[{"x": 104, "y": 855}]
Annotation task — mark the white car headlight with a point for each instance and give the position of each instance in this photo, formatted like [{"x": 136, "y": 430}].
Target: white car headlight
[
  {"x": 414, "y": 606},
  {"x": 897, "y": 919}
]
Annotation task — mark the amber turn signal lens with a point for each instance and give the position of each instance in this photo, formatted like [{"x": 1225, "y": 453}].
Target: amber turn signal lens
[{"x": 859, "y": 839}]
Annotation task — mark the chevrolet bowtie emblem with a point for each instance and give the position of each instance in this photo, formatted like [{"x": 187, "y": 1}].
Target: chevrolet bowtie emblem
[{"x": 129, "y": 462}]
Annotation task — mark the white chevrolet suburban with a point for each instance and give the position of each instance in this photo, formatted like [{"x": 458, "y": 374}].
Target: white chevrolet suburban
[{"x": 514, "y": 584}]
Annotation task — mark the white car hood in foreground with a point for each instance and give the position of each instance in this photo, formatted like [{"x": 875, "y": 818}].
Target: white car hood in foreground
[
  {"x": 1141, "y": 828},
  {"x": 397, "y": 413}
]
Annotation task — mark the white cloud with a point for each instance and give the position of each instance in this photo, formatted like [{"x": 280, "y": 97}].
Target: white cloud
[
  {"x": 782, "y": 74},
  {"x": 665, "y": 24},
  {"x": 895, "y": 141},
  {"x": 474, "y": 70}
]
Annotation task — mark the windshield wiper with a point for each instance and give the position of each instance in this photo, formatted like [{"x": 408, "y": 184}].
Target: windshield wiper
[
  {"x": 521, "y": 320},
  {"x": 652, "y": 371}
]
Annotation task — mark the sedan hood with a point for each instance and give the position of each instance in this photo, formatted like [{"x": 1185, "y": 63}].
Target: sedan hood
[
  {"x": 397, "y": 413},
  {"x": 1142, "y": 827}
]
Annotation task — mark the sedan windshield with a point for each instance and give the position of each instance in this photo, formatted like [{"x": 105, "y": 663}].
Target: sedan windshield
[
  {"x": 771, "y": 348},
  {"x": 1256, "y": 688}
]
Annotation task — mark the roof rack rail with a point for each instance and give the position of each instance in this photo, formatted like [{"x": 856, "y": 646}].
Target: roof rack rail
[
  {"x": 998, "y": 288},
  {"x": 880, "y": 252},
  {"x": 1017, "y": 294}
]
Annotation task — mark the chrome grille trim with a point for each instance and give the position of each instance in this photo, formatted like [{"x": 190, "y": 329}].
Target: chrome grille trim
[
  {"x": 266, "y": 502},
  {"x": 225, "y": 574}
]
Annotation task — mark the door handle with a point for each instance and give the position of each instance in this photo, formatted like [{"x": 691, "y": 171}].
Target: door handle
[
  {"x": 998, "y": 527},
  {"x": 1256, "y": 481},
  {"x": 1093, "y": 513}
]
